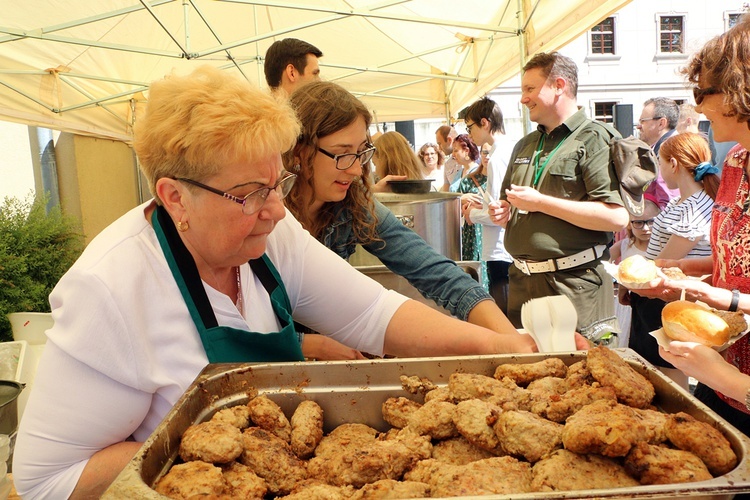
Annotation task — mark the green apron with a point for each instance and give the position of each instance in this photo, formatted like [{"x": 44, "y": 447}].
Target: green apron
[{"x": 225, "y": 344}]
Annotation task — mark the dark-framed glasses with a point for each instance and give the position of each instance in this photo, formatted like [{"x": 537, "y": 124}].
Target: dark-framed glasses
[
  {"x": 640, "y": 224},
  {"x": 485, "y": 152},
  {"x": 699, "y": 93},
  {"x": 468, "y": 127},
  {"x": 346, "y": 160},
  {"x": 254, "y": 200},
  {"x": 642, "y": 120}
]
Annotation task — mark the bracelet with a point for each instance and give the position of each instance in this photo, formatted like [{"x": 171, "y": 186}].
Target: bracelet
[{"x": 735, "y": 300}]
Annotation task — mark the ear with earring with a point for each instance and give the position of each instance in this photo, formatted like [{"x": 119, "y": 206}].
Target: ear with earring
[
  {"x": 182, "y": 226},
  {"x": 296, "y": 168}
]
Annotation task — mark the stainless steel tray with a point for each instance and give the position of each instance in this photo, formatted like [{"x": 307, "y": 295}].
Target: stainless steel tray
[{"x": 354, "y": 391}]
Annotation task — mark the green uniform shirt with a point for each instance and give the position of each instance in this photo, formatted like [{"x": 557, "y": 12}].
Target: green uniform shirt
[{"x": 579, "y": 170}]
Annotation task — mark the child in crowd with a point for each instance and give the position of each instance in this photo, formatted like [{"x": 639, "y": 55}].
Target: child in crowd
[
  {"x": 638, "y": 232},
  {"x": 681, "y": 230}
]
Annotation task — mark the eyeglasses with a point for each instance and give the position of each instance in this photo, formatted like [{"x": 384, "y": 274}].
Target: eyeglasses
[
  {"x": 639, "y": 224},
  {"x": 699, "y": 93},
  {"x": 485, "y": 152},
  {"x": 429, "y": 154},
  {"x": 641, "y": 120},
  {"x": 253, "y": 201},
  {"x": 468, "y": 127},
  {"x": 346, "y": 160}
]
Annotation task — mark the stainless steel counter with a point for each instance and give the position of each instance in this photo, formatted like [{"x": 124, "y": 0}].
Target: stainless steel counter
[{"x": 392, "y": 281}]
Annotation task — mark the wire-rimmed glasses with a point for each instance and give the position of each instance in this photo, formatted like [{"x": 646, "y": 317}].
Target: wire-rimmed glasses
[
  {"x": 346, "y": 160},
  {"x": 254, "y": 200}
]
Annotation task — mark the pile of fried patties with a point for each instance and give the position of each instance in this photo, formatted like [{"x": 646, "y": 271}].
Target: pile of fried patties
[{"x": 532, "y": 427}]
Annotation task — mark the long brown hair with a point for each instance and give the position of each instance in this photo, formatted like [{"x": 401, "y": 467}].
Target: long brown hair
[
  {"x": 324, "y": 108},
  {"x": 690, "y": 150},
  {"x": 394, "y": 156}
]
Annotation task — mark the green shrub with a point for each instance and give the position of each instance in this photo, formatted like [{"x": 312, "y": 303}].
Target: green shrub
[{"x": 36, "y": 249}]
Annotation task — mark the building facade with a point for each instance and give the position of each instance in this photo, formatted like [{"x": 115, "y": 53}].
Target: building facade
[{"x": 633, "y": 55}]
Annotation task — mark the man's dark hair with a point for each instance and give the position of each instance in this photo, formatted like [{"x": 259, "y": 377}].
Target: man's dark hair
[
  {"x": 489, "y": 110},
  {"x": 555, "y": 65},
  {"x": 284, "y": 52},
  {"x": 667, "y": 108}
]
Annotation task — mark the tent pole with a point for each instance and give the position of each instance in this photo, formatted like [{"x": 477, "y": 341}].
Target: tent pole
[{"x": 523, "y": 57}]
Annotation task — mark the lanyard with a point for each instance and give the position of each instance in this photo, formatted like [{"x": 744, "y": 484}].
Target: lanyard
[{"x": 538, "y": 170}]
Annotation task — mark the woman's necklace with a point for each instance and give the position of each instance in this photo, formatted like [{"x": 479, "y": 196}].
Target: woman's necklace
[{"x": 239, "y": 303}]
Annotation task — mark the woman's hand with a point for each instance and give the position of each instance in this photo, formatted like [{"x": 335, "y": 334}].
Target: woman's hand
[
  {"x": 382, "y": 185},
  {"x": 320, "y": 347}
]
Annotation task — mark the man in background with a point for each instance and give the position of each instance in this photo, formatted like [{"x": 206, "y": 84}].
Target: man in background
[
  {"x": 657, "y": 124},
  {"x": 291, "y": 63},
  {"x": 560, "y": 201},
  {"x": 688, "y": 119},
  {"x": 444, "y": 136},
  {"x": 484, "y": 122}
]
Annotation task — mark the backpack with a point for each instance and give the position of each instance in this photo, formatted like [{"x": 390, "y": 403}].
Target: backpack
[
  {"x": 636, "y": 167},
  {"x": 635, "y": 164}
]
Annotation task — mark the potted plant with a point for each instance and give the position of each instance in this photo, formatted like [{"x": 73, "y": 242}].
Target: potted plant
[{"x": 37, "y": 246}]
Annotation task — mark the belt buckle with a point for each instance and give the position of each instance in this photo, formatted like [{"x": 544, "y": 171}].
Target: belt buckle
[{"x": 523, "y": 266}]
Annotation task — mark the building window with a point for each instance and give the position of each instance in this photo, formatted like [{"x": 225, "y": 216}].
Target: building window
[
  {"x": 604, "y": 111},
  {"x": 671, "y": 34},
  {"x": 603, "y": 37},
  {"x": 732, "y": 19}
]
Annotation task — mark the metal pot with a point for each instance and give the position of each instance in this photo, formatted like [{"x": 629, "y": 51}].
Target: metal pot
[
  {"x": 435, "y": 216},
  {"x": 9, "y": 392}
]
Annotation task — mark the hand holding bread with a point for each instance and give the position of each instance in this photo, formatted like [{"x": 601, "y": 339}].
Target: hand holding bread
[{"x": 692, "y": 322}]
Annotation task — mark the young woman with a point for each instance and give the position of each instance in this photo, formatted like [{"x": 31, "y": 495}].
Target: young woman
[
  {"x": 394, "y": 156},
  {"x": 472, "y": 186},
  {"x": 681, "y": 230},
  {"x": 638, "y": 232},
  {"x": 332, "y": 200}
]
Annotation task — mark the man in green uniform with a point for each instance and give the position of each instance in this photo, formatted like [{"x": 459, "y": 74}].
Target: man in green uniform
[{"x": 560, "y": 202}]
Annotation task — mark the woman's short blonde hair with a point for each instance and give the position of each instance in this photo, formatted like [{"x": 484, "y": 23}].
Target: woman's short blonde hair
[{"x": 194, "y": 125}]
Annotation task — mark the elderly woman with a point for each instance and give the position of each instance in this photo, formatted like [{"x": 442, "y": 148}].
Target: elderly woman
[
  {"x": 332, "y": 200},
  {"x": 433, "y": 160},
  {"x": 720, "y": 72},
  {"x": 211, "y": 270}
]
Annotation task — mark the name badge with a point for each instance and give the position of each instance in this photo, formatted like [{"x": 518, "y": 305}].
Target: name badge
[{"x": 522, "y": 161}]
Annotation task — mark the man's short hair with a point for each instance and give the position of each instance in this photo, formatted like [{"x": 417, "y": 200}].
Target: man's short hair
[
  {"x": 446, "y": 131},
  {"x": 489, "y": 110},
  {"x": 665, "y": 107},
  {"x": 555, "y": 65},
  {"x": 284, "y": 52}
]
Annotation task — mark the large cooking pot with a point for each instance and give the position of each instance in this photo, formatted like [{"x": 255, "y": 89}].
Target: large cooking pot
[{"x": 435, "y": 216}]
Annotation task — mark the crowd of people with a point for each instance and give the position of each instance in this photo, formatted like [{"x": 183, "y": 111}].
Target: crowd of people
[{"x": 259, "y": 199}]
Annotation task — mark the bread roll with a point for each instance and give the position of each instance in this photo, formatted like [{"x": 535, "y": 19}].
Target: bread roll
[
  {"x": 636, "y": 269},
  {"x": 691, "y": 322}
]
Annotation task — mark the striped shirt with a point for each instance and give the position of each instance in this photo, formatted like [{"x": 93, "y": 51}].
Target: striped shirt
[{"x": 690, "y": 219}]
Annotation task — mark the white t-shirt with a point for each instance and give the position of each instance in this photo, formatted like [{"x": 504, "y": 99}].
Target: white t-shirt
[
  {"x": 493, "y": 235},
  {"x": 124, "y": 348}
]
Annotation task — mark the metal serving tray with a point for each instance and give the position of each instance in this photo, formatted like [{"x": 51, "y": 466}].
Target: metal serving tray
[{"x": 353, "y": 391}]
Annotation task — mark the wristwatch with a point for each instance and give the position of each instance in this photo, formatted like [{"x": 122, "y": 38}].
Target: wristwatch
[{"x": 735, "y": 300}]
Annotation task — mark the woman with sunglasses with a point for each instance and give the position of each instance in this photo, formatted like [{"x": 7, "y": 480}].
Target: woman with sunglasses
[
  {"x": 681, "y": 230},
  {"x": 720, "y": 74},
  {"x": 333, "y": 200},
  {"x": 213, "y": 269}
]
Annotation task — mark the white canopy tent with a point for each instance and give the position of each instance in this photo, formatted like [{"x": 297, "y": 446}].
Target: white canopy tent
[{"x": 84, "y": 66}]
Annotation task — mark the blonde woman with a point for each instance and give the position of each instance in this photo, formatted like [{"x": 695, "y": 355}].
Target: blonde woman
[{"x": 394, "y": 157}]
